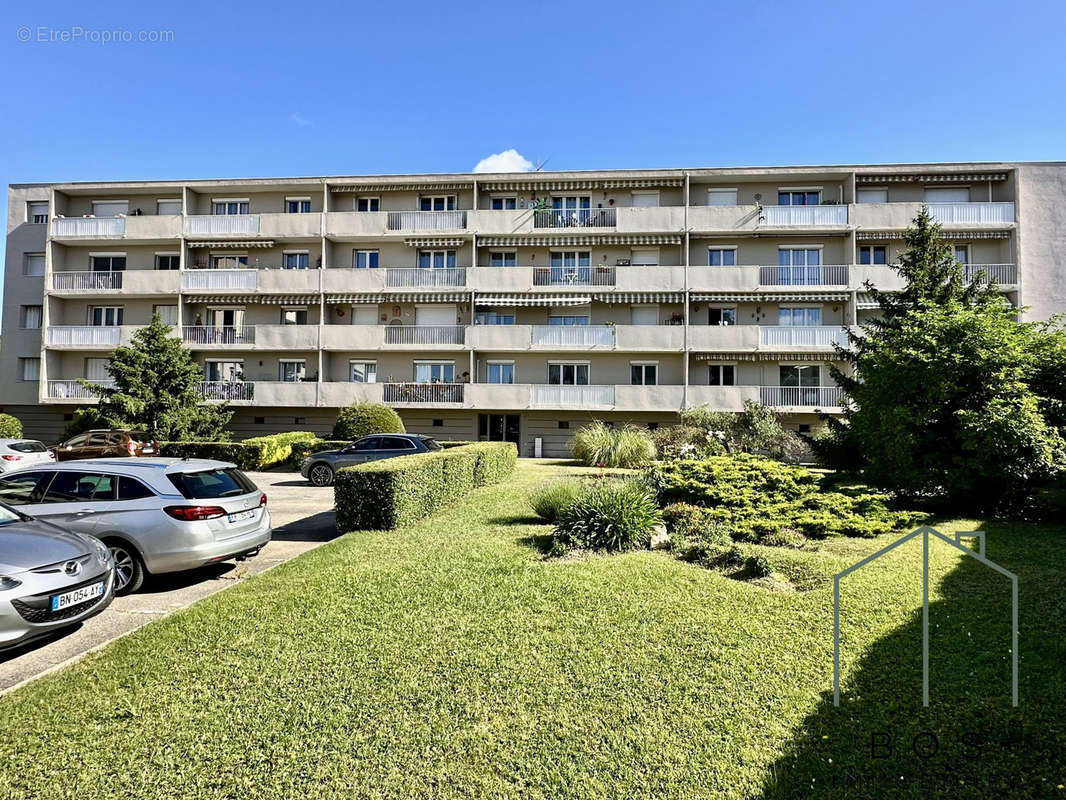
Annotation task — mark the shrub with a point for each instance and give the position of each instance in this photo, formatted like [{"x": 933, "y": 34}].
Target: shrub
[
  {"x": 694, "y": 534},
  {"x": 363, "y": 419},
  {"x": 549, "y": 498},
  {"x": 258, "y": 453},
  {"x": 758, "y": 566},
  {"x": 686, "y": 441},
  {"x": 610, "y": 515},
  {"x": 601, "y": 446},
  {"x": 10, "y": 427},
  {"x": 383, "y": 495},
  {"x": 756, "y": 430},
  {"x": 277, "y": 448}
]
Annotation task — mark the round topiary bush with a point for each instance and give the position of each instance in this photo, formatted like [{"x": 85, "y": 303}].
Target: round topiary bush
[
  {"x": 362, "y": 419},
  {"x": 611, "y": 515},
  {"x": 10, "y": 427}
]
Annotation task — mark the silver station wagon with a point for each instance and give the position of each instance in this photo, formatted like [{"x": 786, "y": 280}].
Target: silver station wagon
[{"x": 155, "y": 515}]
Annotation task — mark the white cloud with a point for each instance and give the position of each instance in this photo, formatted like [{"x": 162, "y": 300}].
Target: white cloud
[
  {"x": 300, "y": 120},
  {"x": 507, "y": 161}
]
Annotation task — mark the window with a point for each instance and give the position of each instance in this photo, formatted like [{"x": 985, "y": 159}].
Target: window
[
  {"x": 645, "y": 258},
  {"x": 570, "y": 266},
  {"x": 722, "y": 374},
  {"x": 804, "y": 428},
  {"x": 168, "y": 208},
  {"x": 167, "y": 261},
  {"x": 229, "y": 262},
  {"x": 501, "y": 372},
  {"x": 962, "y": 253},
  {"x": 644, "y": 315},
  {"x": 800, "y": 375},
  {"x": 96, "y": 369},
  {"x": 493, "y": 318},
  {"x": 299, "y": 420},
  {"x": 260, "y": 420},
  {"x": 33, "y": 264},
  {"x": 799, "y": 197},
  {"x": 569, "y": 211},
  {"x": 24, "y": 488},
  {"x": 80, "y": 487},
  {"x": 564, "y": 425},
  {"x": 363, "y": 371},
  {"x": 646, "y": 199},
  {"x": 30, "y": 368},
  {"x": 947, "y": 194},
  {"x": 435, "y": 372},
  {"x": 568, "y": 319},
  {"x": 721, "y": 315},
  {"x": 224, "y": 371},
  {"x": 568, "y": 374},
  {"x": 107, "y": 263},
  {"x": 110, "y": 208},
  {"x": 873, "y": 254},
  {"x": 871, "y": 195},
  {"x": 438, "y": 422},
  {"x": 368, "y": 204},
  {"x": 37, "y": 213},
  {"x": 27, "y": 447},
  {"x": 721, "y": 197},
  {"x": 799, "y": 266},
  {"x": 365, "y": 259},
  {"x": 168, "y": 314},
  {"x": 293, "y": 371},
  {"x": 721, "y": 256},
  {"x": 799, "y": 316},
  {"x": 297, "y": 205},
  {"x": 132, "y": 489},
  {"x": 105, "y": 316},
  {"x": 394, "y": 443},
  {"x": 211, "y": 484},
  {"x": 439, "y": 203},
  {"x": 504, "y": 203},
  {"x": 503, "y": 259},
  {"x": 229, "y": 206},
  {"x": 30, "y": 317},
  {"x": 294, "y": 316},
  {"x": 436, "y": 259},
  {"x": 643, "y": 373},
  {"x": 296, "y": 260}
]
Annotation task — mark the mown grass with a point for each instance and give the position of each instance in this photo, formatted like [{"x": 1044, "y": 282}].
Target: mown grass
[{"x": 451, "y": 659}]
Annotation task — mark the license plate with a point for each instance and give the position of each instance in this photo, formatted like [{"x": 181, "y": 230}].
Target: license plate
[
  {"x": 147, "y": 449},
  {"x": 240, "y": 515},
  {"x": 72, "y": 598}
]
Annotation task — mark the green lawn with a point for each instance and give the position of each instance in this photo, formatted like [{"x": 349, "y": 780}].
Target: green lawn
[{"x": 452, "y": 660}]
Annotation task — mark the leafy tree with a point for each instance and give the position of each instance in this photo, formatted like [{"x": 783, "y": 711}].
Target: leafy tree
[{"x": 157, "y": 389}]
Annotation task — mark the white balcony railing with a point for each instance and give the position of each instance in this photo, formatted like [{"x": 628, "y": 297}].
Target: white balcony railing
[
  {"x": 87, "y": 335},
  {"x": 75, "y": 389},
  {"x": 816, "y": 275},
  {"x": 573, "y": 276},
  {"x": 424, "y": 334},
  {"x": 575, "y": 218},
  {"x": 226, "y": 391},
  {"x": 86, "y": 281},
  {"x": 89, "y": 226},
  {"x": 211, "y": 279},
  {"x": 422, "y": 393},
  {"x": 419, "y": 277},
  {"x": 572, "y": 335},
  {"x": 802, "y": 335},
  {"x": 226, "y": 334},
  {"x": 805, "y": 215},
  {"x": 970, "y": 213},
  {"x": 426, "y": 220},
  {"x": 813, "y": 396},
  {"x": 553, "y": 396},
  {"x": 211, "y": 224},
  {"x": 1003, "y": 274}
]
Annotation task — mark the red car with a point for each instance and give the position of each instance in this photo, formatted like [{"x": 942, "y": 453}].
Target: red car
[{"x": 106, "y": 444}]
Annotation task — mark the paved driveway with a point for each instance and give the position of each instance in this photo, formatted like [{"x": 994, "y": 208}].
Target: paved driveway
[{"x": 302, "y": 516}]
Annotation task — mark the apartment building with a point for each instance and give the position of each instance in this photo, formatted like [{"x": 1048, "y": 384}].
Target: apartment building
[{"x": 498, "y": 306}]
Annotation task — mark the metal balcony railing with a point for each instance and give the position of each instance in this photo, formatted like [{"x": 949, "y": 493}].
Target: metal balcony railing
[
  {"x": 75, "y": 389},
  {"x": 424, "y": 334},
  {"x": 422, "y": 393},
  {"x": 970, "y": 213},
  {"x": 802, "y": 335},
  {"x": 226, "y": 334},
  {"x": 88, "y": 335},
  {"x": 227, "y": 391},
  {"x": 425, "y": 277},
  {"x": 575, "y": 218},
  {"x": 810, "y": 275},
  {"x": 554, "y": 395},
  {"x": 1003, "y": 274},
  {"x": 89, "y": 226},
  {"x": 211, "y": 224},
  {"x": 805, "y": 215},
  {"x": 86, "y": 281},
  {"x": 211, "y": 279},
  {"x": 572, "y": 335},
  {"x": 426, "y": 220},
  {"x": 573, "y": 276},
  {"x": 814, "y": 396}
]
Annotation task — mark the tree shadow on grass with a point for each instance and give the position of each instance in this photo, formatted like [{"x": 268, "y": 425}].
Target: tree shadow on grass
[
  {"x": 880, "y": 742},
  {"x": 516, "y": 519},
  {"x": 542, "y": 543}
]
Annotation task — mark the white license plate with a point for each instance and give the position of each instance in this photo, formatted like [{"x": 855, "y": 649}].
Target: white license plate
[
  {"x": 241, "y": 515},
  {"x": 76, "y": 596}
]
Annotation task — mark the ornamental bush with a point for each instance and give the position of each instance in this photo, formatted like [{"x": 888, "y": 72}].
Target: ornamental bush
[
  {"x": 610, "y": 515},
  {"x": 363, "y": 419},
  {"x": 10, "y": 427},
  {"x": 258, "y": 453},
  {"x": 598, "y": 445}
]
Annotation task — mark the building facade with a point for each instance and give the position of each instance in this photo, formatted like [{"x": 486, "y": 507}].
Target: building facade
[{"x": 498, "y": 306}]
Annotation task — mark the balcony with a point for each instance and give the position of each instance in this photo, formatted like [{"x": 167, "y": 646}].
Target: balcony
[
  {"x": 498, "y": 396},
  {"x": 222, "y": 224},
  {"x": 722, "y": 398},
  {"x": 290, "y": 226},
  {"x": 227, "y": 391},
  {"x": 425, "y": 334},
  {"x": 88, "y": 227},
  {"x": 571, "y": 397},
  {"x": 574, "y": 276},
  {"x": 130, "y": 282},
  {"x": 428, "y": 278},
  {"x": 338, "y": 394},
  {"x": 353, "y": 337},
  {"x": 805, "y": 216},
  {"x": 648, "y": 398},
  {"x": 744, "y": 338},
  {"x": 575, "y": 218},
  {"x": 211, "y": 280},
  {"x": 1003, "y": 274},
  {"x": 241, "y": 335},
  {"x": 423, "y": 394},
  {"x": 817, "y": 275},
  {"x": 971, "y": 213},
  {"x": 426, "y": 220},
  {"x": 85, "y": 336},
  {"x": 801, "y": 396},
  {"x": 657, "y": 338},
  {"x": 802, "y": 336},
  {"x": 572, "y": 336},
  {"x": 75, "y": 389}
]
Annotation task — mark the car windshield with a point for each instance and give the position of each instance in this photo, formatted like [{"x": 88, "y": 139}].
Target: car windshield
[
  {"x": 28, "y": 447},
  {"x": 8, "y": 515},
  {"x": 431, "y": 444},
  {"x": 212, "y": 483}
]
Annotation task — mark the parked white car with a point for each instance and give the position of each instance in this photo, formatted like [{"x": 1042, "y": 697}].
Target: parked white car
[{"x": 22, "y": 453}]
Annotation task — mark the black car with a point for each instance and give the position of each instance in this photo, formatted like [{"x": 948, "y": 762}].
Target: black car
[{"x": 319, "y": 468}]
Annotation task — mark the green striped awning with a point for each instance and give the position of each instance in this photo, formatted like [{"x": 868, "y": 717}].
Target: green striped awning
[
  {"x": 766, "y": 297},
  {"x": 526, "y": 300},
  {"x": 234, "y": 244},
  {"x": 626, "y": 298},
  {"x": 580, "y": 240}
]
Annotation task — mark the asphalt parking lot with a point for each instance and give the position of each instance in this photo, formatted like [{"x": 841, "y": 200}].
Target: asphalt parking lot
[{"x": 302, "y": 517}]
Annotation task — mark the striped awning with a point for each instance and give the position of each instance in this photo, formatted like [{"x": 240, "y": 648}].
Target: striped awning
[
  {"x": 626, "y": 298},
  {"x": 936, "y": 177},
  {"x": 356, "y": 298},
  {"x": 241, "y": 244},
  {"x": 422, "y": 296},
  {"x": 762, "y": 297},
  {"x": 441, "y": 241},
  {"x": 764, "y": 355},
  {"x": 541, "y": 185},
  {"x": 521, "y": 301},
  {"x": 266, "y": 299},
  {"x": 878, "y": 236},
  {"x": 865, "y": 300},
  {"x": 399, "y": 187},
  {"x": 581, "y": 240}
]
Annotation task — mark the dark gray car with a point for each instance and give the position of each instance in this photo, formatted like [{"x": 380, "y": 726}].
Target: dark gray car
[{"x": 319, "y": 468}]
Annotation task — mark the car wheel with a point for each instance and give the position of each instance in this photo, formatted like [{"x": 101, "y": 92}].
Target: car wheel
[
  {"x": 129, "y": 569},
  {"x": 321, "y": 475}
]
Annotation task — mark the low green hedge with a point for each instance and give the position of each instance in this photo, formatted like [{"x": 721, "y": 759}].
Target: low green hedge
[
  {"x": 396, "y": 492},
  {"x": 258, "y": 453}
]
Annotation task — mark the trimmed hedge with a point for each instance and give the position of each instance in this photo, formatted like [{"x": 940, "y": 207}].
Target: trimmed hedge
[
  {"x": 258, "y": 453},
  {"x": 10, "y": 427},
  {"x": 396, "y": 492}
]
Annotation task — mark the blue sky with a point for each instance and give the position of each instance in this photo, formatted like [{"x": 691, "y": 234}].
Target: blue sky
[{"x": 271, "y": 89}]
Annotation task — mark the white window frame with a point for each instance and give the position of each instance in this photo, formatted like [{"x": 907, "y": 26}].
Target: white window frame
[
  {"x": 503, "y": 198},
  {"x": 303, "y": 308},
  {"x": 119, "y": 311},
  {"x": 227, "y": 200},
  {"x": 498, "y": 252},
  {"x": 355, "y": 258},
  {"x": 722, "y": 190},
  {"x": 281, "y": 369},
  {"x": 27, "y": 259},
  {"x": 725, "y": 307},
  {"x": 805, "y": 190},
  {"x": 294, "y": 199},
  {"x": 168, "y": 200},
  {"x": 365, "y": 363},
  {"x": 501, "y": 362},
  {"x": 721, "y": 248},
  {"x": 569, "y": 362},
  {"x": 285, "y": 253},
  {"x": 238, "y": 362},
  {"x": 213, "y": 257},
  {"x": 871, "y": 262},
  {"x": 24, "y": 362},
  {"x": 633, "y": 258},
  {"x": 171, "y": 254},
  {"x": 23, "y": 309},
  {"x": 644, "y": 373},
  {"x": 433, "y": 253},
  {"x": 795, "y": 306},
  {"x": 370, "y": 200},
  {"x": 432, "y": 362},
  {"x": 720, "y": 365},
  {"x": 433, "y": 198},
  {"x": 31, "y": 215},
  {"x": 157, "y": 306},
  {"x": 956, "y": 247},
  {"x": 800, "y": 364}
]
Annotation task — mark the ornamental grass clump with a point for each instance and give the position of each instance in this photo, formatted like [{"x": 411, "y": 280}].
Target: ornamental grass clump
[
  {"x": 610, "y": 515},
  {"x": 551, "y": 497},
  {"x": 598, "y": 445}
]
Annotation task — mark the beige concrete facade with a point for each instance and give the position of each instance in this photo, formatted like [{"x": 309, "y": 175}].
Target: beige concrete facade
[{"x": 481, "y": 303}]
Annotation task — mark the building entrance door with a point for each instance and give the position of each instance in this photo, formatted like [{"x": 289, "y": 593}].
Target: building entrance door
[{"x": 499, "y": 428}]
